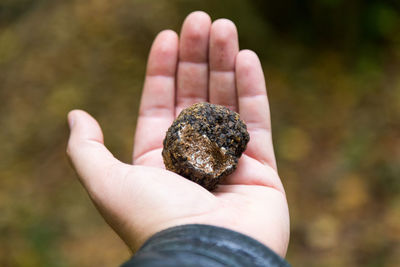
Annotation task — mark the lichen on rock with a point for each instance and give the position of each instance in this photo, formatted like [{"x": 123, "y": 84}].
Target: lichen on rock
[{"x": 204, "y": 143}]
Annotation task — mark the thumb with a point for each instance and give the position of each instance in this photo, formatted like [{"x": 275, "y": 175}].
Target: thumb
[{"x": 91, "y": 159}]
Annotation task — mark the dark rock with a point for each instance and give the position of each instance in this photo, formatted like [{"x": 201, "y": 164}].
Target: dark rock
[{"x": 204, "y": 143}]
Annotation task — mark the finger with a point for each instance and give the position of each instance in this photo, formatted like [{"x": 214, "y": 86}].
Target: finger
[
  {"x": 254, "y": 107},
  {"x": 90, "y": 158},
  {"x": 192, "y": 84},
  {"x": 157, "y": 108},
  {"x": 224, "y": 47},
  {"x": 128, "y": 196}
]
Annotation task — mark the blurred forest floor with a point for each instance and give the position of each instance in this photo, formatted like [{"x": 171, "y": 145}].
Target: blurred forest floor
[{"x": 332, "y": 69}]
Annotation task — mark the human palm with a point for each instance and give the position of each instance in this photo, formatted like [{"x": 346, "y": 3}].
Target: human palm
[{"x": 141, "y": 199}]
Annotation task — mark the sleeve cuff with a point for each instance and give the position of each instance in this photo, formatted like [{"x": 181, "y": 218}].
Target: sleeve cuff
[{"x": 204, "y": 245}]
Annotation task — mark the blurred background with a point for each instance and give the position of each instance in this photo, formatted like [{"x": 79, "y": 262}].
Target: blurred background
[{"x": 332, "y": 69}]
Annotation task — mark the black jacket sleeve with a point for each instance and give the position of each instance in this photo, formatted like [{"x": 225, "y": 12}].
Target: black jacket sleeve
[{"x": 203, "y": 245}]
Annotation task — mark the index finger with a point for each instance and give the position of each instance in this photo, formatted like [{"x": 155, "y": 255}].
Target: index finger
[{"x": 157, "y": 107}]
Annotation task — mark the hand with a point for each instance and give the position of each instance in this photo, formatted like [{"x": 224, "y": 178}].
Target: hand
[{"x": 141, "y": 199}]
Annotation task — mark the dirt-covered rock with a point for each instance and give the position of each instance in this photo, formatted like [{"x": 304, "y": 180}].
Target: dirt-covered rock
[{"x": 204, "y": 143}]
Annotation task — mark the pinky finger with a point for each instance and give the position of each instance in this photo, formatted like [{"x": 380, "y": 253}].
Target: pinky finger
[{"x": 254, "y": 107}]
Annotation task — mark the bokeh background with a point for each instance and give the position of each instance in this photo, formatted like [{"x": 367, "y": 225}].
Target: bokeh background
[{"x": 333, "y": 75}]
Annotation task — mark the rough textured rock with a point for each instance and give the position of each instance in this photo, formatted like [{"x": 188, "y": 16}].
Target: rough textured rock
[{"x": 204, "y": 143}]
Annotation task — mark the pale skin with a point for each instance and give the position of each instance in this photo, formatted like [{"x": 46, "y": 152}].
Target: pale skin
[{"x": 140, "y": 199}]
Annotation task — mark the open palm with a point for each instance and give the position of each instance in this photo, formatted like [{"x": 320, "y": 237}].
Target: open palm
[{"x": 141, "y": 199}]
